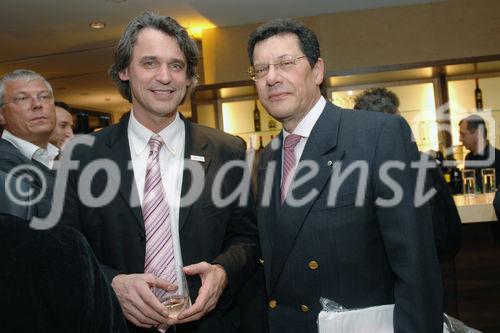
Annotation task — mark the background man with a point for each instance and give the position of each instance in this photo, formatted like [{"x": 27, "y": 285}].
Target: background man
[
  {"x": 378, "y": 100},
  {"x": 357, "y": 255},
  {"x": 28, "y": 117},
  {"x": 154, "y": 69},
  {"x": 473, "y": 135},
  {"x": 63, "y": 131}
]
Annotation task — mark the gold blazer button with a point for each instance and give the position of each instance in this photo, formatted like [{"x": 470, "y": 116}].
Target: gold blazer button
[
  {"x": 273, "y": 304},
  {"x": 304, "y": 308},
  {"x": 313, "y": 265}
]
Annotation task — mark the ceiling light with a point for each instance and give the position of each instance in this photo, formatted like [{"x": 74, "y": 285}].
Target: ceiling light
[{"x": 97, "y": 25}]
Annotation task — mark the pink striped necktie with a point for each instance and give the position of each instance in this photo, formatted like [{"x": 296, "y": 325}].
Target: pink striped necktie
[
  {"x": 289, "y": 162},
  {"x": 160, "y": 258}
]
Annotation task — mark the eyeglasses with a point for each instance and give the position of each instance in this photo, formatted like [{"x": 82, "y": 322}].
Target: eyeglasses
[
  {"x": 25, "y": 100},
  {"x": 284, "y": 65}
]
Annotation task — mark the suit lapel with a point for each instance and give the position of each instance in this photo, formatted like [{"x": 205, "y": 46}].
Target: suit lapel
[
  {"x": 195, "y": 145},
  {"x": 321, "y": 148},
  {"x": 51, "y": 174},
  {"x": 120, "y": 153}
]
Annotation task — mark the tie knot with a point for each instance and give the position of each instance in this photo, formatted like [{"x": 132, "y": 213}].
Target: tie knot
[
  {"x": 291, "y": 141},
  {"x": 155, "y": 143}
]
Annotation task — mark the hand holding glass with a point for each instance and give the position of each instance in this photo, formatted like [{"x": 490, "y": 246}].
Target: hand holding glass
[{"x": 177, "y": 300}]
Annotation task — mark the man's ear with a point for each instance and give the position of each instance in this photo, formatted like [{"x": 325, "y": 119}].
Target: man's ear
[
  {"x": 2, "y": 118},
  {"x": 123, "y": 75},
  {"x": 319, "y": 71}
]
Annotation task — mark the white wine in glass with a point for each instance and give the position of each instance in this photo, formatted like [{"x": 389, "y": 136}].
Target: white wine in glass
[{"x": 177, "y": 300}]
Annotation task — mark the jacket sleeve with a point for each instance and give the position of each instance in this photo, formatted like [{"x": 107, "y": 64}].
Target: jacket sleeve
[
  {"x": 241, "y": 251},
  {"x": 407, "y": 233}
]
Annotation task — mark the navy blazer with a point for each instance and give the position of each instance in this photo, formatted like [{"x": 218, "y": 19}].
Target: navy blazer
[{"x": 358, "y": 255}]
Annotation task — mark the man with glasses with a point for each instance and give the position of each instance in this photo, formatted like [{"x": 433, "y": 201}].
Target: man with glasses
[
  {"x": 336, "y": 210},
  {"x": 28, "y": 116}
]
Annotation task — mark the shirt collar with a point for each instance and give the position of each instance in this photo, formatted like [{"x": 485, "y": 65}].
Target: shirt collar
[
  {"x": 27, "y": 148},
  {"x": 306, "y": 125},
  {"x": 140, "y": 135}
]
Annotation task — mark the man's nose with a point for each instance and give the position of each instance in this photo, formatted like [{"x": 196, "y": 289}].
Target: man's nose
[
  {"x": 35, "y": 102},
  {"x": 163, "y": 74}
]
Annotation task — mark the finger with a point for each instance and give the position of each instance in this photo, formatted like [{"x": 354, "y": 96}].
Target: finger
[
  {"x": 164, "y": 284},
  {"x": 155, "y": 281},
  {"x": 150, "y": 306},
  {"x": 137, "y": 318},
  {"x": 199, "y": 268},
  {"x": 131, "y": 306},
  {"x": 198, "y": 307}
]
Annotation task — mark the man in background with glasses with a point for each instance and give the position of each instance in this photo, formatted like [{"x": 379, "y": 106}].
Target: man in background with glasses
[
  {"x": 317, "y": 238},
  {"x": 27, "y": 113}
]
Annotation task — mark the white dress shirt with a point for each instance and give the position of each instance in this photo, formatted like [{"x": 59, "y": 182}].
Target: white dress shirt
[
  {"x": 171, "y": 167},
  {"x": 32, "y": 151},
  {"x": 304, "y": 129}
]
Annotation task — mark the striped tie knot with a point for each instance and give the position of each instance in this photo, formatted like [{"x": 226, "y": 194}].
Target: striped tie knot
[
  {"x": 291, "y": 141},
  {"x": 155, "y": 143},
  {"x": 289, "y": 162}
]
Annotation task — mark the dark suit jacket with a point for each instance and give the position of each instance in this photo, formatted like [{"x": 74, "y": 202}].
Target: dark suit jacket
[
  {"x": 445, "y": 219},
  {"x": 227, "y": 236},
  {"x": 11, "y": 158},
  {"x": 358, "y": 256},
  {"x": 50, "y": 281}
]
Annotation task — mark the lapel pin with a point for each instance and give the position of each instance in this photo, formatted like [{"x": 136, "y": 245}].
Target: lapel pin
[
  {"x": 329, "y": 163},
  {"x": 197, "y": 158}
]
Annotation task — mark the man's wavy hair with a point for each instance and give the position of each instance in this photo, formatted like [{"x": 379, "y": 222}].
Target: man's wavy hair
[
  {"x": 124, "y": 49},
  {"x": 378, "y": 100}
]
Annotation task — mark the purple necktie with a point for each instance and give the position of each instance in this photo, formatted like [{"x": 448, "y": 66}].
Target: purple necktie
[
  {"x": 289, "y": 162},
  {"x": 159, "y": 246}
]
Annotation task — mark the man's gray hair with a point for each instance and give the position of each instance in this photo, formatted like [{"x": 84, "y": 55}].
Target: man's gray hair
[{"x": 21, "y": 74}]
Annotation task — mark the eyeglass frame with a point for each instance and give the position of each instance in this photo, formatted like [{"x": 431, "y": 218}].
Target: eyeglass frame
[
  {"x": 279, "y": 65},
  {"x": 19, "y": 101}
]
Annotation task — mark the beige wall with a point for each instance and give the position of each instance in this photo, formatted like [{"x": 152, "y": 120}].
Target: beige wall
[{"x": 387, "y": 36}]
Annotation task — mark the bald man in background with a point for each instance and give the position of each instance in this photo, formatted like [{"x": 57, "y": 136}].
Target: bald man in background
[{"x": 63, "y": 131}]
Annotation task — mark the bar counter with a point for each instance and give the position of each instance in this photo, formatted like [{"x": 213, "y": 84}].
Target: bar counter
[{"x": 472, "y": 278}]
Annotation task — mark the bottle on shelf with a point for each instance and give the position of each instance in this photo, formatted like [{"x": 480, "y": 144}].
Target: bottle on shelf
[
  {"x": 456, "y": 181},
  {"x": 478, "y": 94},
  {"x": 256, "y": 117}
]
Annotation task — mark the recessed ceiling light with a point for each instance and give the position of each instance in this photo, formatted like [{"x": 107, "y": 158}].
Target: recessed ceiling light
[{"x": 97, "y": 25}]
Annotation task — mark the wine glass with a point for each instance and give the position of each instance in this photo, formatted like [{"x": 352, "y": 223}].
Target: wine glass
[
  {"x": 488, "y": 180},
  {"x": 177, "y": 300}
]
